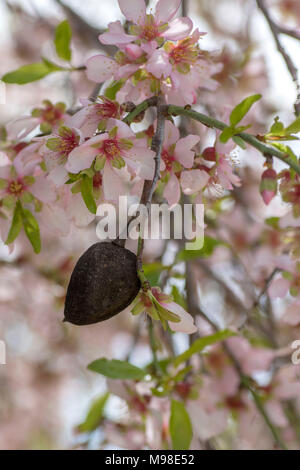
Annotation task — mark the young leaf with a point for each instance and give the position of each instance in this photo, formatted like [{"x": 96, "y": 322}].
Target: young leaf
[
  {"x": 112, "y": 90},
  {"x": 32, "y": 229},
  {"x": 242, "y": 109},
  {"x": 180, "y": 426},
  {"x": 226, "y": 134},
  {"x": 30, "y": 73},
  {"x": 95, "y": 414},
  {"x": 115, "y": 369},
  {"x": 87, "y": 193},
  {"x": 201, "y": 343},
  {"x": 63, "y": 36},
  {"x": 293, "y": 128},
  {"x": 16, "y": 225}
]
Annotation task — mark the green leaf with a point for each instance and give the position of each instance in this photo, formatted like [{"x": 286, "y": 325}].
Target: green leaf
[
  {"x": 30, "y": 73},
  {"x": 180, "y": 426},
  {"x": 293, "y": 128},
  {"x": 201, "y": 343},
  {"x": 112, "y": 90},
  {"x": 242, "y": 109},
  {"x": 178, "y": 297},
  {"x": 153, "y": 271},
  {"x": 277, "y": 127},
  {"x": 62, "y": 41},
  {"x": 87, "y": 193},
  {"x": 226, "y": 134},
  {"x": 207, "y": 250},
  {"x": 32, "y": 229},
  {"x": 16, "y": 225},
  {"x": 115, "y": 369},
  {"x": 95, "y": 414}
]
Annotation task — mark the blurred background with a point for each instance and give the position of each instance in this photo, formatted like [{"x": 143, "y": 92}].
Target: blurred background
[{"x": 45, "y": 388}]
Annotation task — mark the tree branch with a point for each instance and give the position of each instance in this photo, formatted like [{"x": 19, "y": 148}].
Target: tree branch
[
  {"x": 250, "y": 139},
  {"x": 276, "y": 31}
]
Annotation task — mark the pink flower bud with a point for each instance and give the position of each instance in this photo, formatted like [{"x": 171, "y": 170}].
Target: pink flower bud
[
  {"x": 209, "y": 154},
  {"x": 268, "y": 185}
]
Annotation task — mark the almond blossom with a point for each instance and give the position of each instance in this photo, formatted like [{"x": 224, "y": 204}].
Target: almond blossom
[
  {"x": 176, "y": 155},
  {"x": 110, "y": 152},
  {"x": 47, "y": 117},
  {"x": 162, "y": 307},
  {"x": 148, "y": 27}
]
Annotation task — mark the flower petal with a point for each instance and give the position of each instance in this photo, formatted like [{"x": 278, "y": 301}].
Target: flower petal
[
  {"x": 100, "y": 68},
  {"x": 186, "y": 325},
  {"x": 171, "y": 134},
  {"x": 81, "y": 158},
  {"x": 279, "y": 288},
  {"x": 193, "y": 181},
  {"x": 116, "y": 35},
  {"x": 183, "y": 153},
  {"x": 43, "y": 190},
  {"x": 159, "y": 64},
  {"x": 113, "y": 185},
  {"x": 134, "y": 10},
  {"x": 178, "y": 29},
  {"x": 124, "y": 131},
  {"x": 166, "y": 10},
  {"x": 172, "y": 190}
]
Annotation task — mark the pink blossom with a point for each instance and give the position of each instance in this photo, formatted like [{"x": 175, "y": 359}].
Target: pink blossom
[
  {"x": 176, "y": 155},
  {"x": 162, "y": 308},
  {"x": 113, "y": 150},
  {"x": 55, "y": 151},
  {"x": 148, "y": 27}
]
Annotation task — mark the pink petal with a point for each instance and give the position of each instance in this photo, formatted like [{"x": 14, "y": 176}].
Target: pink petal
[
  {"x": 172, "y": 190},
  {"x": 4, "y": 160},
  {"x": 21, "y": 127},
  {"x": 134, "y": 10},
  {"x": 27, "y": 160},
  {"x": 279, "y": 288},
  {"x": 292, "y": 315},
  {"x": 124, "y": 131},
  {"x": 171, "y": 134},
  {"x": 125, "y": 71},
  {"x": 113, "y": 186},
  {"x": 166, "y": 10},
  {"x": 268, "y": 196},
  {"x": 159, "y": 64},
  {"x": 100, "y": 68},
  {"x": 43, "y": 190},
  {"x": 178, "y": 29},
  {"x": 133, "y": 51},
  {"x": 186, "y": 325},
  {"x": 183, "y": 154},
  {"x": 81, "y": 158},
  {"x": 193, "y": 181},
  {"x": 79, "y": 212},
  {"x": 276, "y": 413},
  {"x": 116, "y": 35},
  {"x": 145, "y": 163},
  {"x": 59, "y": 175}
]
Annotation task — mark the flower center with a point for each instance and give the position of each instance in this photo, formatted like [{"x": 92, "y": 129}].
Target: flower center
[
  {"x": 51, "y": 115},
  {"x": 168, "y": 159},
  {"x": 16, "y": 187},
  {"x": 149, "y": 29},
  {"x": 111, "y": 149},
  {"x": 185, "y": 52}
]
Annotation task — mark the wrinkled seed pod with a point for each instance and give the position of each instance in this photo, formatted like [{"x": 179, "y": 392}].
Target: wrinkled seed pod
[{"x": 103, "y": 283}]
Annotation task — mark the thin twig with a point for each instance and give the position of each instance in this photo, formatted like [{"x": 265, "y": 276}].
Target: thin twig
[
  {"x": 250, "y": 139},
  {"x": 276, "y": 31}
]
